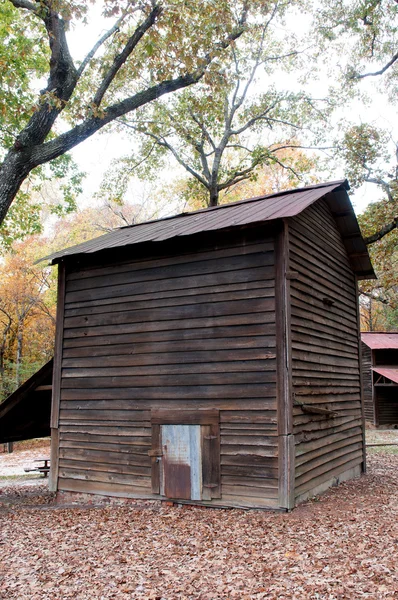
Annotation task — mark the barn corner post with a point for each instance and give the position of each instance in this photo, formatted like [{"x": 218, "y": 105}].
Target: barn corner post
[
  {"x": 286, "y": 445},
  {"x": 361, "y": 379},
  {"x": 56, "y": 383}
]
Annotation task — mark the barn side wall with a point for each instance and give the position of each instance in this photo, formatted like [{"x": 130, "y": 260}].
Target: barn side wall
[
  {"x": 367, "y": 383},
  {"x": 325, "y": 353},
  {"x": 176, "y": 331}
]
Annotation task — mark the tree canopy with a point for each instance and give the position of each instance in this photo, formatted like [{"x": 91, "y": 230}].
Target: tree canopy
[
  {"x": 153, "y": 48},
  {"x": 241, "y": 116}
]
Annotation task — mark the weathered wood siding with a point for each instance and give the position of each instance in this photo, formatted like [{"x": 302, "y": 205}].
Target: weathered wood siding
[
  {"x": 182, "y": 331},
  {"x": 386, "y": 398},
  {"x": 367, "y": 382},
  {"x": 325, "y": 351}
]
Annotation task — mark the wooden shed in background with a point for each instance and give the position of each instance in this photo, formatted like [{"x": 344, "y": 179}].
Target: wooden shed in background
[
  {"x": 213, "y": 357},
  {"x": 25, "y": 414},
  {"x": 380, "y": 377}
]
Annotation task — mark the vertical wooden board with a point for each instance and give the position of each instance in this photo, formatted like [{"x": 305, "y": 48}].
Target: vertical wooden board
[
  {"x": 286, "y": 471},
  {"x": 54, "y": 462},
  {"x": 361, "y": 379},
  {"x": 211, "y": 461},
  {"x": 59, "y": 332},
  {"x": 155, "y": 463},
  {"x": 283, "y": 326}
]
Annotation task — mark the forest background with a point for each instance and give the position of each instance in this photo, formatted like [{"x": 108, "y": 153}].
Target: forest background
[{"x": 113, "y": 113}]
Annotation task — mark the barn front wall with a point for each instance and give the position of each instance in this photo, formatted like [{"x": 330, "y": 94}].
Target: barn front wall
[
  {"x": 169, "y": 366},
  {"x": 325, "y": 354}
]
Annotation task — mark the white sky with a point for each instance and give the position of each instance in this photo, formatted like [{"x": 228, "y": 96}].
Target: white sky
[{"x": 95, "y": 154}]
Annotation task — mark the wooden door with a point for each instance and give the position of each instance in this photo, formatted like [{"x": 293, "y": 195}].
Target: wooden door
[{"x": 181, "y": 473}]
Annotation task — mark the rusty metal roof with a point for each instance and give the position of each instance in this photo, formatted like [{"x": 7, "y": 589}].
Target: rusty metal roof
[
  {"x": 254, "y": 210},
  {"x": 391, "y": 374},
  {"x": 380, "y": 341}
]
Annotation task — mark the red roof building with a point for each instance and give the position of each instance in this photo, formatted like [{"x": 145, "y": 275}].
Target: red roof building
[{"x": 380, "y": 377}]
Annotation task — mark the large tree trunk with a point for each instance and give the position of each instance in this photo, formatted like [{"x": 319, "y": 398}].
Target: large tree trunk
[{"x": 13, "y": 171}]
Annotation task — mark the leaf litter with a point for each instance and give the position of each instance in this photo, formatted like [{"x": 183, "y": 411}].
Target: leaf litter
[{"x": 342, "y": 545}]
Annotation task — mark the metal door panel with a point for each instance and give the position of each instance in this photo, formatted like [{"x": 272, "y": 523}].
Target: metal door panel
[{"x": 182, "y": 462}]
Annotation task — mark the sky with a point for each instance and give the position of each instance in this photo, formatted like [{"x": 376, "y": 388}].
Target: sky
[{"x": 95, "y": 154}]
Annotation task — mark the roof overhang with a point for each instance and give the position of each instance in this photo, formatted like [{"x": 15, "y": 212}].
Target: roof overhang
[
  {"x": 378, "y": 340},
  {"x": 281, "y": 205},
  {"x": 387, "y": 372}
]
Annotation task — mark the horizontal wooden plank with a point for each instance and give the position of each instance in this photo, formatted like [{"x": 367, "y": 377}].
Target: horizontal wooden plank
[
  {"x": 316, "y": 342},
  {"x": 133, "y": 482},
  {"x": 240, "y": 275},
  {"x": 107, "y": 410},
  {"x": 318, "y": 331},
  {"x": 248, "y": 416},
  {"x": 249, "y": 460},
  {"x": 210, "y": 392},
  {"x": 247, "y": 330},
  {"x": 305, "y": 481},
  {"x": 324, "y": 442},
  {"x": 249, "y": 470},
  {"x": 145, "y": 383},
  {"x": 238, "y": 429},
  {"x": 341, "y": 446},
  {"x": 150, "y": 273},
  {"x": 301, "y": 245},
  {"x": 187, "y": 295},
  {"x": 102, "y": 488},
  {"x": 98, "y": 438},
  {"x": 177, "y": 325},
  {"x": 256, "y": 482},
  {"x": 172, "y": 313},
  {"x": 109, "y": 447},
  {"x": 94, "y": 357},
  {"x": 188, "y": 417},
  {"x": 223, "y": 403},
  {"x": 101, "y": 428},
  {"x": 239, "y": 491},
  {"x": 80, "y": 463},
  {"x": 232, "y": 367},
  {"x": 225, "y": 249},
  {"x": 254, "y": 450},
  {"x": 247, "y": 438},
  {"x": 331, "y": 474},
  {"x": 105, "y": 457},
  {"x": 179, "y": 299}
]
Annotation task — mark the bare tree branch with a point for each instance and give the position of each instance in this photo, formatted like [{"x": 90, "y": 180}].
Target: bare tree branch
[
  {"x": 26, "y": 4},
  {"x": 382, "y": 232},
  {"x": 383, "y": 184},
  {"x": 100, "y": 42},
  {"x": 121, "y": 58},
  {"x": 376, "y": 73}
]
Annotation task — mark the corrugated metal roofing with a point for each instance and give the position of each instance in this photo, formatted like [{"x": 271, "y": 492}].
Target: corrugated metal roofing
[
  {"x": 389, "y": 373},
  {"x": 380, "y": 341},
  {"x": 255, "y": 210}
]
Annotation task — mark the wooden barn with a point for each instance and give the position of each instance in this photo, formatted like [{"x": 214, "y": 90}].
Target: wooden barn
[
  {"x": 380, "y": 377},
  {"x": 213, "y": 357}
]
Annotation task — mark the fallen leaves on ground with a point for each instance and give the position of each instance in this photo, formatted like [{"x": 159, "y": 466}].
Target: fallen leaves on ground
[{"x": 343, "y": 545}]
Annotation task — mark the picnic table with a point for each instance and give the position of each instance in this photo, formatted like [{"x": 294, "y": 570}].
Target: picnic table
[{"x": 43, "y": 467}]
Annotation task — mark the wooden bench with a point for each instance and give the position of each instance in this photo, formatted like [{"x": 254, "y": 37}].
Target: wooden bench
[{"x": 44, "y": 467}]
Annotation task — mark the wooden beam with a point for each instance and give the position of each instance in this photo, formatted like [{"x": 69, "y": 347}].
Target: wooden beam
[
  {"x": 59, "y": 334},
  {"x": 56, "y": 382},
  {"x": 286, "y": 444}
]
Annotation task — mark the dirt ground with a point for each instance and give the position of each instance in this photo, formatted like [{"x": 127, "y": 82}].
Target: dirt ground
[{"x": 341, "y": 545}]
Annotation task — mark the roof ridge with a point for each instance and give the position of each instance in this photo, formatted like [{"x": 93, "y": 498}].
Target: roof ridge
[{"x": 342, "y": 182}]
